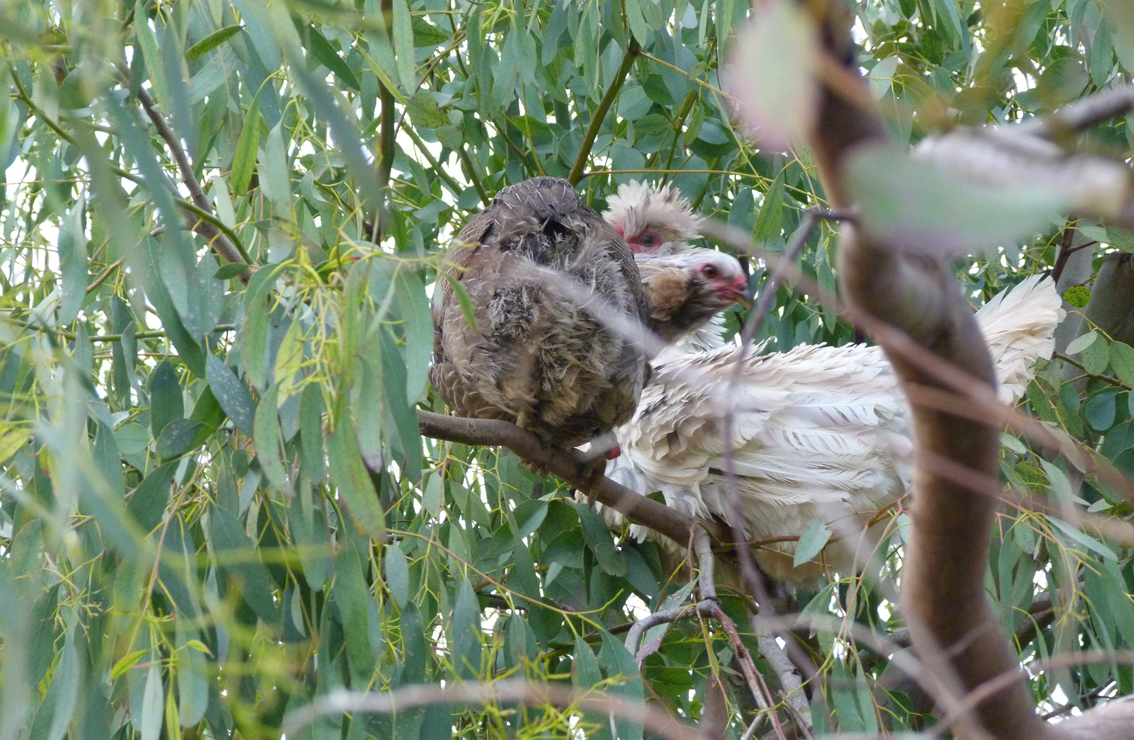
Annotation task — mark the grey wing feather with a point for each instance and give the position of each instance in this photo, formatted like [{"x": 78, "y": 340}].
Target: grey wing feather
[{"x": 537, "y": 356}]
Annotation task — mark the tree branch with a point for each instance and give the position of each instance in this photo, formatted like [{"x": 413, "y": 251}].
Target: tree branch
[
  {"x": 216, "y": 238},
  {"x": 600, "y": 113},
  {"x": 385, "y": 139},
  {"x": 1082, "y": 114},
  {"x": 466, "y": 160},
  {"x": 454, "y": 187},
  {"x": 654, "y": 719},
  {"x": 951, "y": 623},
  {"x": 569, "y": 466}
]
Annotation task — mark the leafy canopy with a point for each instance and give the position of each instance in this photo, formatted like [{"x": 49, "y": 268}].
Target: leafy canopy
[{"x": 216, "y": 506}]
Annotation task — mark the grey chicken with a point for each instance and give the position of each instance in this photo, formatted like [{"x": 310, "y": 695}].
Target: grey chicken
[{"x": 546, "y": 276}]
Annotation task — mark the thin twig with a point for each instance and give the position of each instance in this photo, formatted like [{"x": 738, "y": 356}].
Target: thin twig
[
  {"x": 385, "y": 141},
  {"x": 471, "y": 172},
  {"x": 790, "y": 684},
  {"x": 216, "y": 238},
  {"x": 454, "y": 187},
  {"x": 652, "y": 718},
  {"x": 600, "y": 113},
  {"x": 1104, "y": 378}
]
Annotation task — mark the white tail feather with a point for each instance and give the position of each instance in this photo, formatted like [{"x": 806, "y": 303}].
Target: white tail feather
[{"x": 1019, "y": 326}]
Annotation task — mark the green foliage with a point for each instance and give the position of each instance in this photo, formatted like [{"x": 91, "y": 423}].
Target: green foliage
[{"x": 215, "y": 504}]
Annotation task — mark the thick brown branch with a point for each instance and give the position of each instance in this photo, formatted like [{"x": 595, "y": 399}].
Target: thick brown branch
[
  {"x": 568, "y": 466},
  {"x": 951, "y": 622}
]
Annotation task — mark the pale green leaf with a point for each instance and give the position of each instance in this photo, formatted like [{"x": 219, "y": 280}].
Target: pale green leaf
[
  {"x": 772, "y": 74},
  {"x": 811, "y": 542}
]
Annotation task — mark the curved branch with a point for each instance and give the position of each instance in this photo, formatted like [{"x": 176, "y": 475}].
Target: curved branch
[
  {"x": 654, "y": 719},
  {"x": 951, "y": 622},
  {"x": 569, "y": 466},
  {"x": 1082, "y": 114}
]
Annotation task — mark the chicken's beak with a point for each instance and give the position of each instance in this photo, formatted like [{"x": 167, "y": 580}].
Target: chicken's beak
[{"x": 742, "y": 294}]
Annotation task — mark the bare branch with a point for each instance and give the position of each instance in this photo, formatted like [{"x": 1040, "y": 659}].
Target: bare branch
[
  {"x": 569, "y": 466},
  {"x": 952, "y": 625},
  {"x": 1082, "y": 114},
  {"x": 385, "y": 139},
  {"x": 790, "y": 683},
  {"x": 652, "y": 718},
  {"x": 216, "y": 238}
]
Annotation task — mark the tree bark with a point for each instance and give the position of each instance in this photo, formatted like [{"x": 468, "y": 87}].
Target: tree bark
[{"x": 951, "y": 623}]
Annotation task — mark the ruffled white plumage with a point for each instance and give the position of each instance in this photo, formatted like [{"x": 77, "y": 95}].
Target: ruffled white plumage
[{"x": 816, "y": 432}]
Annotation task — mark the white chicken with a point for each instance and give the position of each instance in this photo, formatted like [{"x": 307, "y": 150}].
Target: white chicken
[{"x": 817, "y": 432}]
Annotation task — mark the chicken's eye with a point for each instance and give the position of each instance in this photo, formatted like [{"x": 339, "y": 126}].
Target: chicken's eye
[
  {"x": 710, "y": 271},
  {"x": 648, "y": 241}
]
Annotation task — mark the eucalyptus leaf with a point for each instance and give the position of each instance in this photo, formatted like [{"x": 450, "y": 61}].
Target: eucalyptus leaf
[{"x": 811, "y": 542}]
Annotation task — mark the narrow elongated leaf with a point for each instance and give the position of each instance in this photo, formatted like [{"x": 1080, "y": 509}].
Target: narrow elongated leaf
[
  {"x": 275, "y": 175},
  {"x": 321, "y": 49},
  {"x": 152, "y": 56},
  {"x": 311, "y": 431},
  {"x": 466, "y": 632},
  {"x": 166, "y": 402},
  {"x": 72, "y": 264},
  {"x": 238, "y": 561},
  {"x": 636, "y": 21},
  {"x": 210, "y": 42},
  {"x": 408, "y": 436},
  {"x": 811, "y": 542},
  {"x": 270, "y": 443},
  {"x": 289, "y": 358},
  {"x": 403, "y": 45},
  {"x": 598, "y": 538},
  {"x": 617, "y": 661},
  {"x": 58, "y": 707},
  {"x": 769, "y": 222},
  {"x": 585, "y": 673},
  {"x": 351, "y": 479},
  {"x": 397, "y": 574},
  {"x": 232, "y": 395},
  {"x": 417, "y": 332},
  {"x": 244, "y": 161},
  {"x": 188, "y": 347},
  {"x": 254, "y": 333},
  {"x": 463, "y": 300},
  {"x": 351, "y": 596},
  {"x": 148, "y": 720}
]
